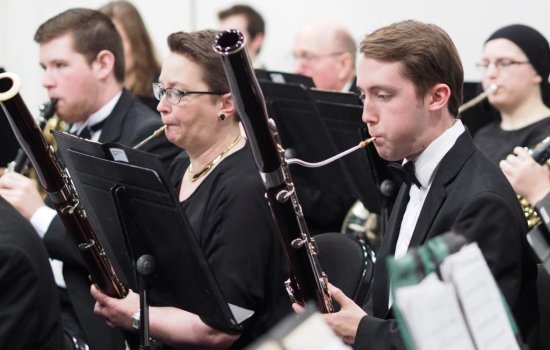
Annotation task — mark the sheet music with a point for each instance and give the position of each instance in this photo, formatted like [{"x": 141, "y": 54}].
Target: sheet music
[
  {"x": 313, "y": 333},
  {"x": 433, "y": 316},
  {"x": 480, "y": 299}
]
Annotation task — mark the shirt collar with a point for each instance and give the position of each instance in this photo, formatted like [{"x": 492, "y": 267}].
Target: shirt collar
[
  {"x": 99, "y": 116},
  {"x": 426, "y": 163}
]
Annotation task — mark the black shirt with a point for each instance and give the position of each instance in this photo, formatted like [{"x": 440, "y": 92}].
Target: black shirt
[
  {"x": 235, "y": 230},
  {"x": 497, "y": 143}
]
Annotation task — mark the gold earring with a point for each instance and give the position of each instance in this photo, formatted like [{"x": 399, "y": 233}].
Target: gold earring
[{"x": 221, "y": 116}]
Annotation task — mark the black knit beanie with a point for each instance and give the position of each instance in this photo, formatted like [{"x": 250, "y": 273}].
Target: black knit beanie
[{"x": 532, "y": 43}]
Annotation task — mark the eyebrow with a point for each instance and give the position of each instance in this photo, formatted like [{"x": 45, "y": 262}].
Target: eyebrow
[{"x": 387, "y": 88}]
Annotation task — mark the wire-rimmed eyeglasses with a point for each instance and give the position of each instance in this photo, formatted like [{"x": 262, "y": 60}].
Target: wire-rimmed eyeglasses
[
  {"x": 500, "y": 63},
  {"x": 312, "y": 57},
  {"x": 174, "y": 96}
]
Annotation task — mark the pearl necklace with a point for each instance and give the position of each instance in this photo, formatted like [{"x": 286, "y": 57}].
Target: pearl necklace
[{"x": 195, "y": 176}]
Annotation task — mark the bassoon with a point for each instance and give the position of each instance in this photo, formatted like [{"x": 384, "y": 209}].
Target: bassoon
[
  {"x": 60, "y": 190},
  {"x": 54, "y": 179},
  {"x": 21, "y": 161},
  {"x": 307, "y": 281}
]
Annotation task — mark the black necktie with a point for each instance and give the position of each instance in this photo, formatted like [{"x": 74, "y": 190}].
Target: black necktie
[
  {"x": 406, "y": 172},
  {"x": 86, "y": 133}
]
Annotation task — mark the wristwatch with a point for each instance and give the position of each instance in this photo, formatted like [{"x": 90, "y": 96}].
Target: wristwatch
[{"x": 136, "y": 319}]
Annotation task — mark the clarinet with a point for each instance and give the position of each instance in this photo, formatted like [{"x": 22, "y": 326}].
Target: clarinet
[
  {"x": 307, "y": 281},
  {"x": 21, "y": 161}
]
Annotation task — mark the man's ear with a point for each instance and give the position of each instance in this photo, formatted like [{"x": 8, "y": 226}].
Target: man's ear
[
  {"x": 345, "y": 61},
  {"x": 438, "y": 97},
  {"x": 104, "y": 64}
]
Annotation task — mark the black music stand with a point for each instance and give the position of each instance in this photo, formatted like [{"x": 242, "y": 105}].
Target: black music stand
[
  {"x": 131, "y": 203},
  {"x": 343, "y": 121},
  {"x": 284, "y": 77},
  {"x": 325, "y": 193},
  {"x": 347, "y": 98}
]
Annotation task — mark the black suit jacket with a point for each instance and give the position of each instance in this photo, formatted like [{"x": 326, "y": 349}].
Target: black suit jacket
[
  {"x": 129, "y": 123},
  {"x": 471, "y": 196},
  {"x": 29, "y": 307}
]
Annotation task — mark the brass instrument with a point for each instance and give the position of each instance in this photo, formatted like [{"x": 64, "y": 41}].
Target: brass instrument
[
  {"x": 54, "y": 124},
  {"x": 541, "y": 155},
  {"x": 361, "y": 224},
  {"x": 474, "y": 101}
]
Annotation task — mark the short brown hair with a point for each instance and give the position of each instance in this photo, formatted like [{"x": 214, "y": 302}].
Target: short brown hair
[
  {"x": 92, "y": 32},
  {"x": 197, "y": 46},
  {"x": 146, "y": 65},
  {"x": 426, "y": 52},
  {"x": 255, "y": 22}
]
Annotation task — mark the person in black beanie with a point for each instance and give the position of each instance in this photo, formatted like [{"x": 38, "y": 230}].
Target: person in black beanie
[{"x": 516, "y": 58}]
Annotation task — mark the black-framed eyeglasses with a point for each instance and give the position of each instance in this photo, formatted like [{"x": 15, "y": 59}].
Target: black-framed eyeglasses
[
  {"x": 500, "y": 64},
  {"x": 313, "y": 57},
  {"x": 174, "y": 96}
]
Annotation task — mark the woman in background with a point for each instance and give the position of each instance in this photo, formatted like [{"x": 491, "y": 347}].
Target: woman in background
[
  {"x": 141, "y": 63},
  {"x": 516, "y": 59}
]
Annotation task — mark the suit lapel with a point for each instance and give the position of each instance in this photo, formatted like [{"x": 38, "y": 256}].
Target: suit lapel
[
  {"x": 112, "y": 128},
  {"x": 447, "y": 170},
  {"x": 449, "y": 167}
]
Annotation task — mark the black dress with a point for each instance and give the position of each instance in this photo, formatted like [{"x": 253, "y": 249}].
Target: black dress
[
  {"x": 497, "y": 143},
  {"x": 235, "y": 230}
]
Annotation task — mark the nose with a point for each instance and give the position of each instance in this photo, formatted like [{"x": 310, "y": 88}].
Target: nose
[
  {"x": 369, "y": 116},
  {"x": 47, "y": 80},
  {"x": 163, "y": 106},
  {"x": 491, "y": 71},
  {"x": 300, "y": 66}
]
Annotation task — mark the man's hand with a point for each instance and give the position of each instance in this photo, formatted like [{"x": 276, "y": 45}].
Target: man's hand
[
  {"x": 21, "y": 193},
  {"x": 117, "y": 312},
  {"x": 346, "y": 321}
]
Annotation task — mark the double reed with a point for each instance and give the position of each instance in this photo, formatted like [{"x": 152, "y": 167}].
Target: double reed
[
  {"x": 306, "y": 281},
  {"x": 59, "y": 189}
]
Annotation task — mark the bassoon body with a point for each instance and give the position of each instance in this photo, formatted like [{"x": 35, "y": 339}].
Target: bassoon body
[
  {"x": 58, "y": 186},
  {"x": 306, "y": 281}
]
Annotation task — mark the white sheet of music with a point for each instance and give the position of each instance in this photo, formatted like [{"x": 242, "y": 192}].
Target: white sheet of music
[
  {"x": 480, "y": 299},
  {"x": 433, "y": 315},
  {"x": 313, "y": 333}
]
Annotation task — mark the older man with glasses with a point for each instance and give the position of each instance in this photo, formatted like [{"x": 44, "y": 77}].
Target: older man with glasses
[{"x": 325, "y": 51}]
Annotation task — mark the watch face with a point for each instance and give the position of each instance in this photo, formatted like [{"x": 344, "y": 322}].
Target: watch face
[{"x": 135, "y": 320}]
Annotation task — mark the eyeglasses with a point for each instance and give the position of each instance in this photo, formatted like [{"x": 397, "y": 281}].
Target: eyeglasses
[
  {"x": 174, "y": 96},
  {"x": 312, "y": 57},
  {"x": 500, "y": 64}
]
